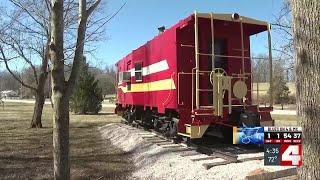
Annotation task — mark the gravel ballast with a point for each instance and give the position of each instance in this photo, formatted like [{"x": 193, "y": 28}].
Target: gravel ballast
[{"x": 154, "y": 162}]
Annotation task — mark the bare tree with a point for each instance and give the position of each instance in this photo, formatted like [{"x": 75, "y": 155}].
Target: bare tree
[
  {"x": 260, "y": 68},
  {"x": 25, "y": 37},
  {"x": 306, "y": 23},
  {"x": 7, "y": 82},
  {"x": 62, "y": 88},
  {"x": 282, "y": 25}
]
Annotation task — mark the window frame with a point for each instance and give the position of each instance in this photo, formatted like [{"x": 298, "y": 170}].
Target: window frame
[{"x": 138, "y": 71}]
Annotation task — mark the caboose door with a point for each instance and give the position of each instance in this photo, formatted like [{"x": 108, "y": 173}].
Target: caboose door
[{"x": 219, "y": 62}]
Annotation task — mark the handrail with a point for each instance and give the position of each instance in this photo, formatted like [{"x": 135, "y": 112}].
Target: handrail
[
  {"x": 270, "y": 65},
  {"x": 208, "y": 90},
  {"x": 242, "y": 74},
  {"x": 164, "y": 102},
  {"x": 196, "y": 48}
]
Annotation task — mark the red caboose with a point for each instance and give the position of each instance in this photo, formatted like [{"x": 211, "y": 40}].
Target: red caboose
[{"x": 194, "y": 77}]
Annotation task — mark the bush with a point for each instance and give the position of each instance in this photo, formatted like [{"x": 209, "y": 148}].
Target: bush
[
  {"x": 292, "y": 99},
  {"x": 87, "y": 97},
  {"x": 280, "y": 91}
]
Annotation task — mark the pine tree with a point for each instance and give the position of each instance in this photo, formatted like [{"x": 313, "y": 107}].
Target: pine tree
[
  {"x": 87, "y": 97},
  {"x": 281, "y": 90}
]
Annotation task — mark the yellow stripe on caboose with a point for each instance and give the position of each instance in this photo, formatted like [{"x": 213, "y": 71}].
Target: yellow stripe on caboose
[{"x": 166, "y": 84}]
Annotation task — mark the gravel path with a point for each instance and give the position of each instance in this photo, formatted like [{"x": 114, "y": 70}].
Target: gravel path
[{"x": 155, "y": 162}]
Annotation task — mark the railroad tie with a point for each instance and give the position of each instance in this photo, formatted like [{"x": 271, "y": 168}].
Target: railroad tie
[
  {"x": 204, "y": 158},
  {"x": 156, "y": 141},
  {"x": 180, "y": 149},
  {"x": 164, "y": 143},
  {"x": 251, "y": 159},
  {"x": 190, "y": 154},
  {"x": 210, "y": 165},
  {"x": 170, "y": 146}
]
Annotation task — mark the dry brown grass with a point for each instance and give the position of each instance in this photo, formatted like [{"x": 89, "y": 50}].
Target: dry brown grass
[
  {"x": 27, "y": 153},
  {"x": 264, "y": 88},
  {"x": 285, "y": 120}
]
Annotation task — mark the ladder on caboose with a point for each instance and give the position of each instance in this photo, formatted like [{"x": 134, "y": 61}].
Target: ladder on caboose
[{"x": 213, "y": 55}]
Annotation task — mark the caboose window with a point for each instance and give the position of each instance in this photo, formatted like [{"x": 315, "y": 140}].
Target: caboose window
[{"x": 138, "y": 71}]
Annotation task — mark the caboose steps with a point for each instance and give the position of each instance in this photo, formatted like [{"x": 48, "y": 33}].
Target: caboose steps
[
  {"x": 185, "y": 135},
  {"x": 194, "y": 131}
]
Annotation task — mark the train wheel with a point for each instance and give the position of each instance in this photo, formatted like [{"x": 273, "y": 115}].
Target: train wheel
[
  {"x": 128, "y": 117},
  {"x": 156, "y": 124},
  {"x": 249, "y": 119},
  {"x": 173, "y": 127}
]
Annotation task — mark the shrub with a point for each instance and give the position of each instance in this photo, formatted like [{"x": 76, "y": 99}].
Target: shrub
[
  {"x": 87, "y": 97},
  {"x": 280, "y": 91},
  {"x": 292, "y": 99}
]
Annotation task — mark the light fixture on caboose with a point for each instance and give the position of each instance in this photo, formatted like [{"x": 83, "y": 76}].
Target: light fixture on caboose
[{"x": 235, "y": 16}]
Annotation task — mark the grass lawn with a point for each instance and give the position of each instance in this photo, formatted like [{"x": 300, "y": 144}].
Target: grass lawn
[
  {"x": 264, "y": 87},
  {"x": 27, "y": 153},
  {"x": 285, "y": 120}
]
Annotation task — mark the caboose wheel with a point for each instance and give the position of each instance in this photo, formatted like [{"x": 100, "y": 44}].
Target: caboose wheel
[
  {"x": 127, "y": 116},
  {"x": 249, "y": 119},
  {"x": 173, "y": 131}
]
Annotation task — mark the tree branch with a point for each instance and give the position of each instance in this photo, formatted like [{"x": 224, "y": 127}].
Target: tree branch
[
  {"x": 78, "y": 56},
  {"x": 20, "y": 52},
  {"x": 93, "y": 7},
  {"x": 31, "y": 15},
  {"x": 14, "y": 75},
  {"x": 99, "y": 27}
]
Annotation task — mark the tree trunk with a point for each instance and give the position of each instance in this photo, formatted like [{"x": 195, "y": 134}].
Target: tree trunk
[
  {"x": 61, "y": 138},
  {"x": 62, "y": 90},
  {"x": 37, "y": 111},
  {"x": 306, "y": 23},
  {"x": 38, "y": 106},
  {"x": 61, "y": 158}
]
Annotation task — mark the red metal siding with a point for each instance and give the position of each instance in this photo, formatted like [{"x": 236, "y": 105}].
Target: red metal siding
[
  {"x": 162, "y": 47},
  {"x": 175, "y": 46}
]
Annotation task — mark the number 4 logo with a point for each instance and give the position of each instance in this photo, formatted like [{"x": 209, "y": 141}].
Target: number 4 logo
[{"x": 291, "y": 155}]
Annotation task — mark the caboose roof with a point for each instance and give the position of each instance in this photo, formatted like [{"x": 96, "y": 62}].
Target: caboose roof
[
  {"x": 253, "y": 26},
  {"x": 228, "y": 17}
]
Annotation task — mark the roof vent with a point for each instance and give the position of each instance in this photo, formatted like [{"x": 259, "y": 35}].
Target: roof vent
[{"x": 161, "y": 29}]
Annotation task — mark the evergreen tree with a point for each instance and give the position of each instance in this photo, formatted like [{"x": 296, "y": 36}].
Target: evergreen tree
[
  {"x": 280, "y": 90},
  {"x": 87, "y": 97}
]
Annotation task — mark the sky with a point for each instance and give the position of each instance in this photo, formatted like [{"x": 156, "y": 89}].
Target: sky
[{"x": 138, "y": 21}]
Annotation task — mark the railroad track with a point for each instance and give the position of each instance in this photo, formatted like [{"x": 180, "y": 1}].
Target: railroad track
[{"x": 211, "y": 155}]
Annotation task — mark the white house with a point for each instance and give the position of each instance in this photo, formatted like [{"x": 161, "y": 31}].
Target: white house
[{"x": 8, "y": 94}]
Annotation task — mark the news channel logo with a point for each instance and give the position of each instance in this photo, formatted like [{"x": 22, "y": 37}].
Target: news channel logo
[{"x": 248, "y": 135}]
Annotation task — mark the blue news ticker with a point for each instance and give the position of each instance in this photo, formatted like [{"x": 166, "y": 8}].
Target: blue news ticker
[{"x": 248, "y": 135}]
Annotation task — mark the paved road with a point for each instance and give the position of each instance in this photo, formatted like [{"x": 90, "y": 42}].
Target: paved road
[
  {"x": 23, "y": 101},
  {"x": 30, "y": 101},
  {"x": 284, "y": 112}
]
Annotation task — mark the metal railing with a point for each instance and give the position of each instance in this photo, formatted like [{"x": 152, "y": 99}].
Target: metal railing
[{"x": 242, "y": 57}]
